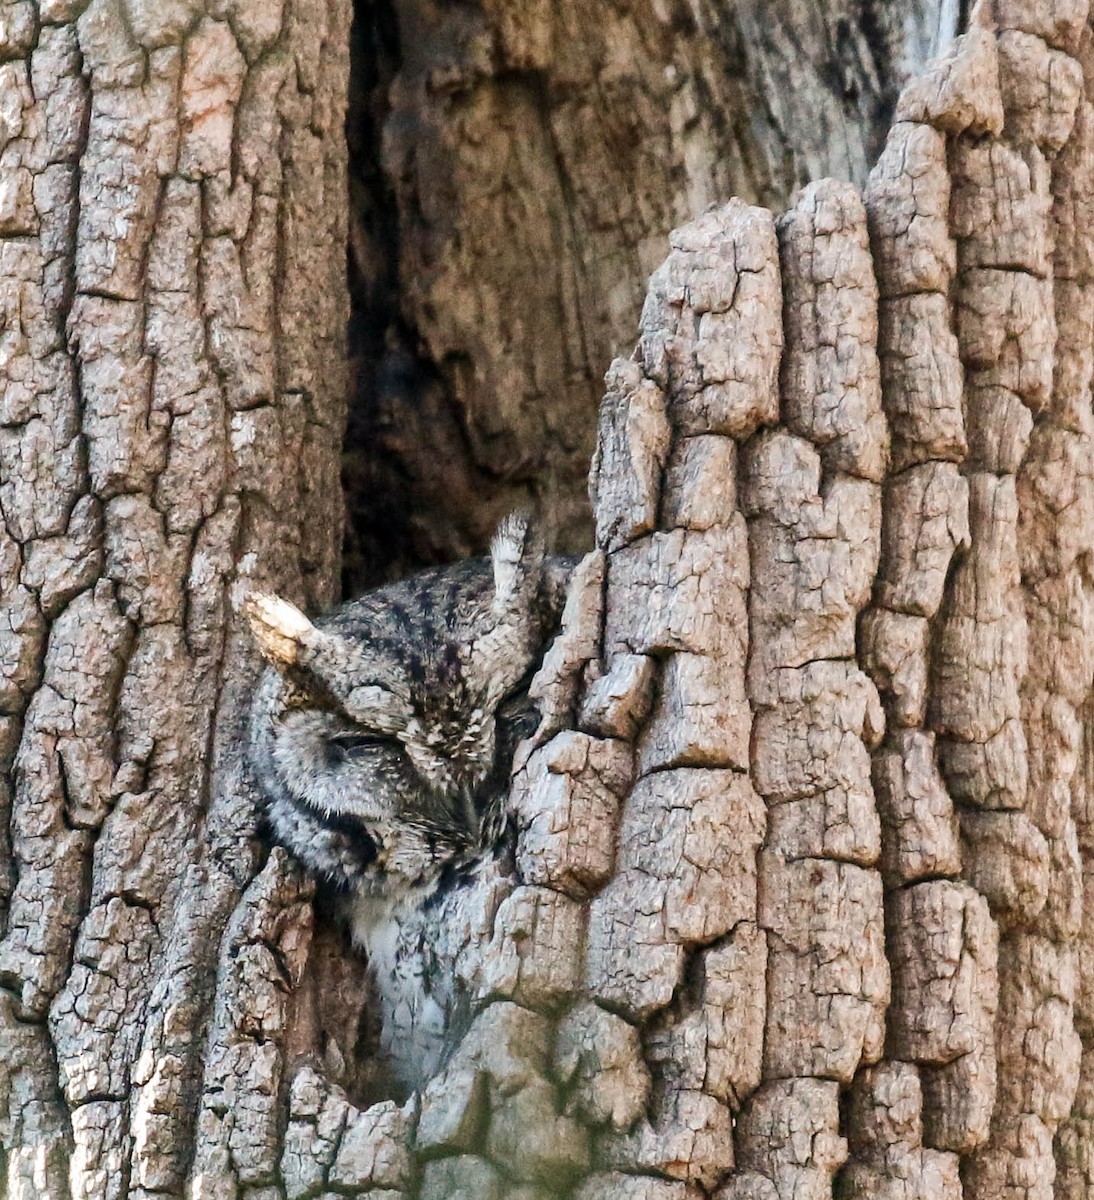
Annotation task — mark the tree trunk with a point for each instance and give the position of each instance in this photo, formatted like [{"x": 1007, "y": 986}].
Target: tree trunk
[
  {"x": 173, "y": 302},
  {"x": 800, "y": 908},
  {"x": 515, "y": 169}
]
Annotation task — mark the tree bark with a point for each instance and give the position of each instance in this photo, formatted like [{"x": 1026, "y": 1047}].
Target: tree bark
[
  {"x": 515, "y": 168},
  {"x": 172, "y": 231},
  {"x": 802, "y": 837}
]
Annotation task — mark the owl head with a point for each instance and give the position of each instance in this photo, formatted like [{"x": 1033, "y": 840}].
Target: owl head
[{"x": 381, "y": 736}]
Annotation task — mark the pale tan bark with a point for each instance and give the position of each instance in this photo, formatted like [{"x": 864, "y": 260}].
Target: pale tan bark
[
  {"x": 869, "y": 815},
  {"x": 172, "y": 299},
  {"x": 516, "y": 168},
  {"x": 802, "y": 838}
]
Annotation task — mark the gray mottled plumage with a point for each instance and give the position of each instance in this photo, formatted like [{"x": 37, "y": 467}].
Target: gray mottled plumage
[{"x": 381, "y": 740}]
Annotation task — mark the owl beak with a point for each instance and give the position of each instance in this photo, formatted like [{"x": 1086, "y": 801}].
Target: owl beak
[{"x": 283, "y": 634}]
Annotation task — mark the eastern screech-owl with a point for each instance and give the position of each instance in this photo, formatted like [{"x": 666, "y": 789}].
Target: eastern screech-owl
[{"x": 381, "y": 740}]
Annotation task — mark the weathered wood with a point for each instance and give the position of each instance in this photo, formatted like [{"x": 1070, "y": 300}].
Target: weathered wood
[
  {"x": 171, "y": 412},
  {"x": 515, "y": 168},
  {"x": 802, "y": 840}
]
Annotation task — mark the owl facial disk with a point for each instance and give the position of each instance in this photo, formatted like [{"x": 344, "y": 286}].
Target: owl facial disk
[
  {"x": 450, "y": 756},
  {"x": 341, "y": 770},
  {"x": 378, "y": 708},
  {"x": 321, "y": 663}
]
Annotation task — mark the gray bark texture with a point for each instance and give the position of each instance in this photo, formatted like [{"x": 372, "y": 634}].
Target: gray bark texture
[
  {"x": 804, "y": 835},
  {"x": 515, "y": 168},
  {"x": 172, "y": 306}
]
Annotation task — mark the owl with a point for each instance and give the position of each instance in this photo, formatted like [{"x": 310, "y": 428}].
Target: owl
[{"x": 381, "y": 740}]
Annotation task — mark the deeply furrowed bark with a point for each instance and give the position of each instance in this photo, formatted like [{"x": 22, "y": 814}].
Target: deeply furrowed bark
[
  {"x": 172, "y": 297},
  {"x": 864, "y": 815},
  {"x": 802, "y": 839},
  {"x": 515, "y": 167}
]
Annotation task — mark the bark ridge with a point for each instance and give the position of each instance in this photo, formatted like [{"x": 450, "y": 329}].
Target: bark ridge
[{"x": 803, "y": 835}]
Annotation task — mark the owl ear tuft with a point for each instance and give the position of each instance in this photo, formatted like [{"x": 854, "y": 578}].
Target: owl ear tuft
[
  {"x": 280, "y": 630},
  {"x": 515, "y": 552}
]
